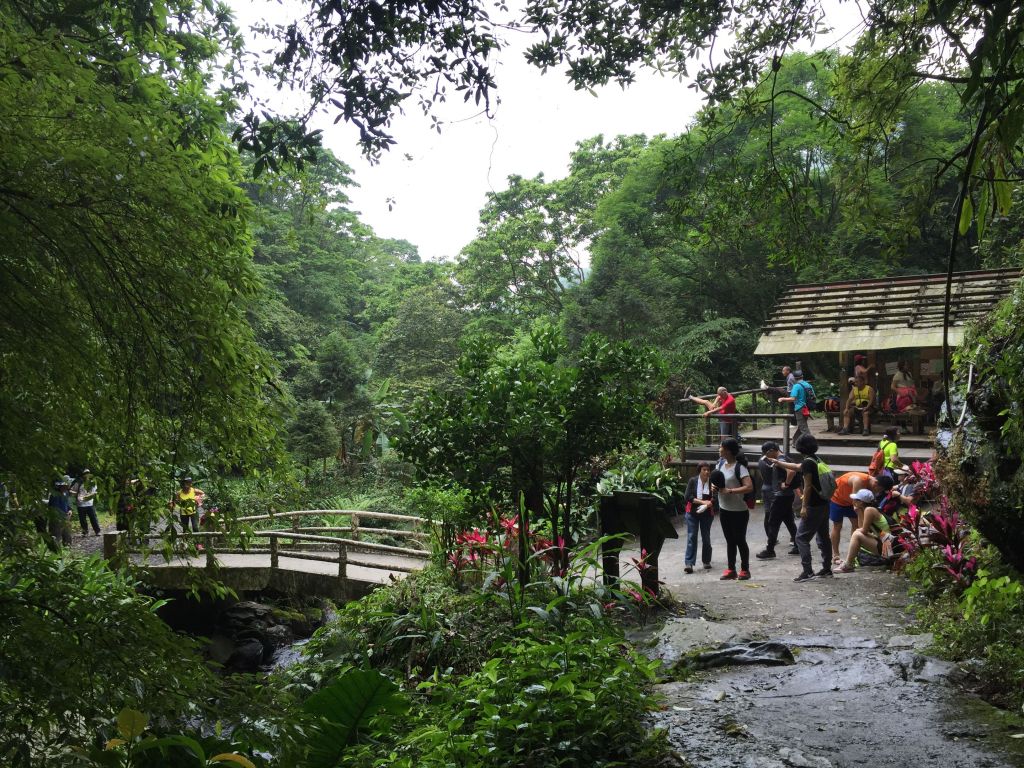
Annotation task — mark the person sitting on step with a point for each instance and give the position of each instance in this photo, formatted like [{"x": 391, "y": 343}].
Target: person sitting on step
[
  {"x": 873, "y": 536},
  {"x": 841, "y": 504}
]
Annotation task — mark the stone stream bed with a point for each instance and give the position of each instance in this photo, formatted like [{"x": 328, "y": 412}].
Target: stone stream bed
[
  {"x": 261, "y": 633},
  {"x": 845, "y": 682}
]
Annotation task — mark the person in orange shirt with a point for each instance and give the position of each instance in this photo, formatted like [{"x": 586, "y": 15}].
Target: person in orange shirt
[{"x": 841, "y": 504}]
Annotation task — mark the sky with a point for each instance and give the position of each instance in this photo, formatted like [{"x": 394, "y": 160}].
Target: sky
[{"x": 430, "y": 187}]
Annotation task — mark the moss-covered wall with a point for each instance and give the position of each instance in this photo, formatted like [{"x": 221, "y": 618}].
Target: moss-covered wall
[{"x": 981, "y": 468}]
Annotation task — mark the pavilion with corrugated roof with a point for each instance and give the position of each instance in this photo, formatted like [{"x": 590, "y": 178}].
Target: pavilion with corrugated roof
[{"x": 880, "y": 313}]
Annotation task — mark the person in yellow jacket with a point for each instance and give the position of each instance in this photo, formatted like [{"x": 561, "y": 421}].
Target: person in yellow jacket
[
  {"x": 186, "y": 502},
  {"x": 861, "y": 400}
]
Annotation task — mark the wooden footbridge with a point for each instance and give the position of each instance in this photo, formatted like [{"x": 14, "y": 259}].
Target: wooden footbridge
[{"x": 257, "y": 553}]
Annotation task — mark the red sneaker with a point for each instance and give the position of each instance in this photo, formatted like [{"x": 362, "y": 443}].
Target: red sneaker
[
  {"x": 728, "y": 574},
  {"x": 744, "y": 575}
]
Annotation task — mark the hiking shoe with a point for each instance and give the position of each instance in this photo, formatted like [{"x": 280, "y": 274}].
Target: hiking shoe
[
  {"x": 707, "y": 566},
  {"x": 843, "y": 431},
  {"x": 844, "y": 568},
  {"x": 727, "y": 575},
  {"x": 744, "y": 575},
  {"x": 824, "y": 573},
  {"x": 765, "y": 554},
  {"x": 794, "y": 550},
  {"x": 805, "y": 576},
  {"x": 688, "y": 569}
]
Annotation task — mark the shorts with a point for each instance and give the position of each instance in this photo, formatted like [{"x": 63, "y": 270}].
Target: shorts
[{"x": 836, "y": 512}]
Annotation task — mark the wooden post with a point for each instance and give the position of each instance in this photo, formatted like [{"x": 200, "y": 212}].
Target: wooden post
[
  {"x": 342, "y": 561},
  {"x": 211, "y": 561},
  {"x": 785, "y": 435},
  {"x": 274, "y": 556},
  {"x": 110, "y": 540},
  {"x": 355, "y": 526},
  {"x": 682, "y": 442}
]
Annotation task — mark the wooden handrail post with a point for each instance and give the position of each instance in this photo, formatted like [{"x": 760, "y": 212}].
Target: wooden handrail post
[
  {"x": 211, "y": 561},
  {"x": 274, "y": 556},
  {"x": 682, "y": 442},
  {"x": 110, "y": 542},
  {"x": 785, "y": 436},
  {"x": 354, "y": 519},
  {"x": 342, "y": 561}
]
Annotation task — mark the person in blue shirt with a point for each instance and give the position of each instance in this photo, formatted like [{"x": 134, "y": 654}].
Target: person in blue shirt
[
  {"x": 60, "y": 512},
  {"x": 798, "y": 397}
]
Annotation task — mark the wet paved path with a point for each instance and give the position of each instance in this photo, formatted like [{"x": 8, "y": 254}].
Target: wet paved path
[{"x": 862, "y": 691}]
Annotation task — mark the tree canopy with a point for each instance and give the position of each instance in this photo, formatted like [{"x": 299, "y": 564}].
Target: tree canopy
[{"x": 125, "y": 252}]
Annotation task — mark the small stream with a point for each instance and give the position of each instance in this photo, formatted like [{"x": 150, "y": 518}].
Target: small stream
[{"x": 262, "y": 634}]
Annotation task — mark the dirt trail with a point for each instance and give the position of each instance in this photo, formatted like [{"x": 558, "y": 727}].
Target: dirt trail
[{"x": 862, "y": 691}]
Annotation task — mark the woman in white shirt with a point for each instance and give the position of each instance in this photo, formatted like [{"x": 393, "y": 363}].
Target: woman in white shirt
[
  {"x": 85, "y": 500},
  {"x": 732, "y": 507}
]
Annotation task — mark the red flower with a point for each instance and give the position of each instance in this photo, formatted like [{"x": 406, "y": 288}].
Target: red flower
[{"x": 641, "y": 565}]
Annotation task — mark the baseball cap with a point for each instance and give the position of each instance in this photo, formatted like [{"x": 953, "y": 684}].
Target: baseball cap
[{"x": 864, "y": 495}]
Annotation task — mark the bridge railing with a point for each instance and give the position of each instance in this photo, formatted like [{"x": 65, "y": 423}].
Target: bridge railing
[
  {"x": 302, "y": 543},
  {"x": 354, "y": 528},
  {"x": 788, "y": 420}
]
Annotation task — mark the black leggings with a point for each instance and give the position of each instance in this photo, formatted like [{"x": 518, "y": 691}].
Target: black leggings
[{"x": 734, "y": 527}]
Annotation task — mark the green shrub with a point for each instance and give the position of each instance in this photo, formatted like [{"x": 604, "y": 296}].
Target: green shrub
[
  {"x": 984, "y": 623},
  {"x": 410, "y": 628},
  {"x": 539, "y": 701},
  {"x": 77, "y": 645}
]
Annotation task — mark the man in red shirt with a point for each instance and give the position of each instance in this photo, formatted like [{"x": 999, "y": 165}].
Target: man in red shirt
[{"x": 725, "y": 404}]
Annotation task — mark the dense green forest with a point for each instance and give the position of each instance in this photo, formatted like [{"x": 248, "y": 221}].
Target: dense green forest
[{"x": 187, "y": 290}]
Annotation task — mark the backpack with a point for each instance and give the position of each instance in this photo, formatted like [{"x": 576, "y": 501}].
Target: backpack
[
  {"x": 877, "y": 463},
  {"x": 826, "y": 479},
  {"x": 812, "y": 399}
]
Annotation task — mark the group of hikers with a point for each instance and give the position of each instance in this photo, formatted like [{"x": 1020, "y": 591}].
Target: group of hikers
[
  {"x": 82, "y": 493},
  {"x": 804, "y": 496}
]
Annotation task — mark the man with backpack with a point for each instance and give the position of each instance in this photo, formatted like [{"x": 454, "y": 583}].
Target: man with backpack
[
  {"x": 818, "y": 486},
  {"x": 802, "y": 396},
  {"x": 886, "y": 459}
]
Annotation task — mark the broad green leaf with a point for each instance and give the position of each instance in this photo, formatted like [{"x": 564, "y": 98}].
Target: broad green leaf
[
  {"x": 966, "y": 215},
  {"x": 346, "y": 706},
  {"x": 228, "y": 757},
  {"x": 131, "y": 723}
]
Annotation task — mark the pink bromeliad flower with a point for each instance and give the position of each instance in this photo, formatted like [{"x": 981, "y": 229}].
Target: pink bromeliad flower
[{"x": 641, "y": 564}]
